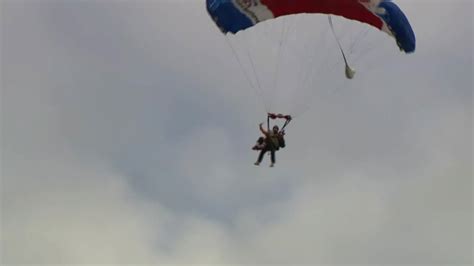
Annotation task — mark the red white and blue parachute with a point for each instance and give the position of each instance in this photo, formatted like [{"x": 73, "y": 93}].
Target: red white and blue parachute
[
  {"x": 236, "y": 15},
  {"x": 283, "y": 49}
]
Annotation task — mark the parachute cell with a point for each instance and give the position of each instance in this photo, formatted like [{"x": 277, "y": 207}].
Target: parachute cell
[{"x": 236, "y": 15}]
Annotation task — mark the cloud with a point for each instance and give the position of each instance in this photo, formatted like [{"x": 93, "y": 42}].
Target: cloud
[
  {"x": 126, "y": 134},
  {"x": 58, "y": 212}
]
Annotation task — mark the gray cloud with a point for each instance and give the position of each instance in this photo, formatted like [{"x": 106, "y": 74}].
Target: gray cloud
[{"x": 126, "y": 130}]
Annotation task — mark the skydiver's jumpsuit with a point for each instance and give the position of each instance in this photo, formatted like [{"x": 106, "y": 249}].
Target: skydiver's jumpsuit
[{"x": 272, "y": 144}]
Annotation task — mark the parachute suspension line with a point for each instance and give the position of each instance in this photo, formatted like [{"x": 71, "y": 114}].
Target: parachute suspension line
[
  {"x": 255, "y": 73},
  {"x": 361, "y": 51},
  {"x": 365, "y": 52},
  {"x": 368, "y": 53},
  {"x": 302, "y": 68},
  {"x": 258, "y": 81},
  {"x": 282, "y": 42},
  {"x": 357, "y": 39},
  {"x": 259, "y": 94},
  {"x": 277, "y": 68},
  {"x": 313, "y": 74},
  {"x": 349, "y": 71},
  {"x": 300, "y": 73},
  {"x": 312, "y": 63},
  {"x": 316, "y": 74}
]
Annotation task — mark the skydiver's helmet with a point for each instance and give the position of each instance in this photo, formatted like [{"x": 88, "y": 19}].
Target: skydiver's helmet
[{"x": 275, "y": 129}]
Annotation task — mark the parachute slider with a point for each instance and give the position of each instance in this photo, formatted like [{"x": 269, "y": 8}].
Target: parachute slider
[{"x": 281, "y": 116}]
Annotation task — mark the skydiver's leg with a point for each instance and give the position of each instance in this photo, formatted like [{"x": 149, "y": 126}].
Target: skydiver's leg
[
  {"x": 260, "y": 156},
  {"x": 272, "y": 155}
]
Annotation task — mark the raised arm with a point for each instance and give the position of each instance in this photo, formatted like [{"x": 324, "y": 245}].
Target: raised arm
[{"x": 263, "y": 130}]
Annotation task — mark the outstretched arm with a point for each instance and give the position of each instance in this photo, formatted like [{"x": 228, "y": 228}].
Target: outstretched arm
[{"x": 263, "y": 130}]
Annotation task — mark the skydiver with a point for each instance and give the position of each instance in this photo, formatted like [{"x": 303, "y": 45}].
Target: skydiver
[
  {"x": 260, "y": 144},
  {"x": 272, "y": 142}
]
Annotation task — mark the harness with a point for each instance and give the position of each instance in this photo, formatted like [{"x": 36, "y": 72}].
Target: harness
[{"x": 274, "y": 139}]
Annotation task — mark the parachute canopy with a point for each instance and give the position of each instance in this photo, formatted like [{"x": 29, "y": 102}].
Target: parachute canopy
[{"x": 236, "y": 15}]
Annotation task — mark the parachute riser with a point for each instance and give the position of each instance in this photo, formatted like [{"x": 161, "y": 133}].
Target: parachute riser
[{"x": 278, "y": 116}]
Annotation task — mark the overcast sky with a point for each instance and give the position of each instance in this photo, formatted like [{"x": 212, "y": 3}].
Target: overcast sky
[{"x": 126, "y": 129}]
